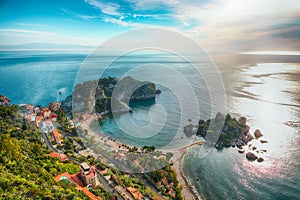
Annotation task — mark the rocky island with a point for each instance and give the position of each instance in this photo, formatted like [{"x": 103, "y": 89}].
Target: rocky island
[
  {"x": 98, "y": 96},
  {"x": 234, "y": 133}
]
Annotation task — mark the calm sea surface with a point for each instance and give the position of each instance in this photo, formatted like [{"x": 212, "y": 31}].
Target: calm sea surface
[{"x": 267, "y": 94}]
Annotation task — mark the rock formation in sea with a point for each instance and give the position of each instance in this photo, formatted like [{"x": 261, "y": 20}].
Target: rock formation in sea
[
  {"x": 251, "y": 156},
  {"x": 257, "y": 133}
]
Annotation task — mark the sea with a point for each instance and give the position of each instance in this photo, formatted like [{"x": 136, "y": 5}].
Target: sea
[{"x": 265, "y": 91}]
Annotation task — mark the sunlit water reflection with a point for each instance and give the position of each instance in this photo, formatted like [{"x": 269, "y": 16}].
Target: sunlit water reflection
[{"x": 266, "y": 96}]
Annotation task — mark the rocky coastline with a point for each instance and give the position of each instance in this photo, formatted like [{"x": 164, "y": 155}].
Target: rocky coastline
[
  {"x": 98, "y": 96},
  {"x": 234, "y": 134}
]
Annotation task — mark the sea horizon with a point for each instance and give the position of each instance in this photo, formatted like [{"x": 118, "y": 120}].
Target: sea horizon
[{"x": 198, "y": 170}]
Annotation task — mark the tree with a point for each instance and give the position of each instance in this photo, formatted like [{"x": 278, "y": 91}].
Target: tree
[
  {"x": 9, "y": 147},
  {"x": 148, "y": 148}
]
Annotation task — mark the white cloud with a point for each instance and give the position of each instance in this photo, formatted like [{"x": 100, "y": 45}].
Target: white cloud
[
  {"x": 227, "y": 23},
  {"x": 106, "y": 8},
  {"x": 31, "y": 24},
  {"x": 85, "y": 17},
  {"x": 151, "y": 4},
  {"x": 239, "y": 23},
  {"x": 116, "y": 21},
  {"x": 26, "y": 31},
  {"x": 131, "y": 24},
  {"x": 21, "y": 36}
]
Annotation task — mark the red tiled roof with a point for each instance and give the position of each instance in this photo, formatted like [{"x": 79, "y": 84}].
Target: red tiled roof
[
  {"x": 92, "y": 172},
  {"x": 66, "y": 174},
  {"x": 53, "y": 116},
  {"x": 55, "y": 132},
  {"x": 38, "y": 118},
  {"x": 75, "y": 179},
  {"x": 59, "y": 156},
  {"x": 89, "y": 194},
  {"x": 56, "y": 135},
  {"x": 45, "y": 110}
]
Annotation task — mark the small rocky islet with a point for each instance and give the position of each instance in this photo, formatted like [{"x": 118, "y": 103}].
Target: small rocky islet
[{"x": 234, "y": 133}]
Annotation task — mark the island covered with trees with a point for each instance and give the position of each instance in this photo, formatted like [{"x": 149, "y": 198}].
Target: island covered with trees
[
  {"x": 233, "y": 133},
  {"x": 97, "y": 96}
]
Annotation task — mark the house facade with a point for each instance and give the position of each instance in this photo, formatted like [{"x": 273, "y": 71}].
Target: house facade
[{"x": 88, "y": 174}]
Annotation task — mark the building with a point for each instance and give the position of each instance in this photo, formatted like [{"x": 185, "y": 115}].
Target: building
[
  {"x": 88, "y": 174},
  {"x": 26, "y": 109},
  {"x": 62, "y": 157},
  {"x": 56, "y": 136},
  {"x": 36, "y": 110},
  {"x": 46, "y": 112},
  {"x": 53, "y": 117},
  {"x": 54, "y": 106},
  {"x": 137, "y": 195},
  {"x": 75, "y": 178},
  {"x": 38, "y": 120},
  {"x": 4, "y": 101}
]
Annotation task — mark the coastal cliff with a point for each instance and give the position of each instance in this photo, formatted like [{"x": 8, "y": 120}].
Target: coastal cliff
[{"x": 97, "y": 96}]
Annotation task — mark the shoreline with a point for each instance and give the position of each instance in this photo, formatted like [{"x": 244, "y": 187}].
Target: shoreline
[
  {"x": 114, "y": 144},
  {"x": 188, "y": 189}
]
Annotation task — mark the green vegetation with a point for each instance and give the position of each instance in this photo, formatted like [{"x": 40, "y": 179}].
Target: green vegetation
[
  {"x": 126, "y": 180},
  {"x": 165, "y": 180},
  {"x": 63, "y": 120},
  {"x": 232, "y": 129},
  {"x": 26, "y": 171},
  {"x": 100, "y": 192},
  {"x": 99, "y": 94},
  {"x": 148, "y": 148}
]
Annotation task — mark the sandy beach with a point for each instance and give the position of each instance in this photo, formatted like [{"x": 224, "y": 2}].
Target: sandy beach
[
  {"x": 188, "y": 191},
  {"x": 114, "y": 144}
]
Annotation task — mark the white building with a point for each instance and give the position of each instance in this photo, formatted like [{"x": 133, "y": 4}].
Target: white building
[{"x": 88, "y": 174}]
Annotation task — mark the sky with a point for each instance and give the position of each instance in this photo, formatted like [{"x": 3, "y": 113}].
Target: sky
[{"x": 232, "y": 25}]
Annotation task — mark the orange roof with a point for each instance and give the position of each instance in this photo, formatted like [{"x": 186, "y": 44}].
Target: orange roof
[
  {"x": 55, "y": 132},
  {"x": 92, "y": 172},
  {"x": 66, "y": 174},
  {"x": 104, "y": 171},
  {"x": 38, "y": 118},
  {"x": 75, "y": 179},
  {"x": 45, "y": 110},
  {"x": 59, "y": 156},
  {"x": 56, "y": 135},
  {"x": 89, "y": 194},
  {"x": 135, "y": 193}
]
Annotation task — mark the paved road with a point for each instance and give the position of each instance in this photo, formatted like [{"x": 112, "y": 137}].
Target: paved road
[
  {"x": 109, "y": 187},
  {"x": 48, "y": 143}
]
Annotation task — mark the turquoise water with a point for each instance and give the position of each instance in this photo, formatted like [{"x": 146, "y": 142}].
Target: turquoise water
[
  {"x": 267, "y": 94},
  {"x": 65, "y": 179},
  {"x": 272, "y": 105}
]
